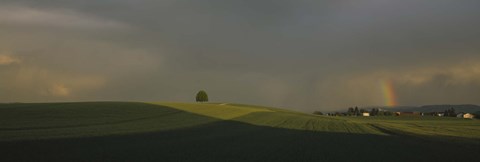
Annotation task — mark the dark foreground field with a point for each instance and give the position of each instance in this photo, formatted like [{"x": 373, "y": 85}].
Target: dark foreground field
[{"x": 139, "y": 132}]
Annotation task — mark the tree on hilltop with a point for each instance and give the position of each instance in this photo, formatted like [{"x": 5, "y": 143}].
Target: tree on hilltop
[{"x": 202, "y": 96}]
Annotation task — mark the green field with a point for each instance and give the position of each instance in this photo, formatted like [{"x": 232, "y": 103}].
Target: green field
[{"x": 118, "y": 131}]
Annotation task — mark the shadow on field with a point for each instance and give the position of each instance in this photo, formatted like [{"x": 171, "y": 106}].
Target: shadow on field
[{"x": 235, "y": 141}]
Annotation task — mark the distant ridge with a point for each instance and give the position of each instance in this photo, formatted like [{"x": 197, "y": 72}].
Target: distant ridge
[{"x": 469, "y": 108}]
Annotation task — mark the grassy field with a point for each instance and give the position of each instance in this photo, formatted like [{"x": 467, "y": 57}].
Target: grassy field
[
  {"x": 109, "y": 131},
  {"x": 466, "y": 130}
]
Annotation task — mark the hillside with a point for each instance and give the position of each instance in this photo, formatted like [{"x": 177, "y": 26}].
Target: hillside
[
  {"x": 190, "y": 131},
  {"x": 62, "y": 120}
]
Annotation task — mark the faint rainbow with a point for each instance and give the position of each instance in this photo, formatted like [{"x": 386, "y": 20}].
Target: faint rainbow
[{"x": 389, "y": 93}]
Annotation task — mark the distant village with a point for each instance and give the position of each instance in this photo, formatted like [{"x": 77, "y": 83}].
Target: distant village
[{"x": 381, "y": 112}]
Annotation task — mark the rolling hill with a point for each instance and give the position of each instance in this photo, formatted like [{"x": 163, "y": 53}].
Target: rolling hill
[{"x": 214, "y": 132}]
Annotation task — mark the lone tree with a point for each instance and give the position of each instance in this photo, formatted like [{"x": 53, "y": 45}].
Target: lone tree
[{"x": 202, "y": 96}]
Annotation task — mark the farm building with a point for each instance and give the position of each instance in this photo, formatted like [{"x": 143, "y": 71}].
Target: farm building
[
  {"x": 460, "y": 115},
  {"x": 468, "y": 116},
  {"x": 366, "y": 114},
  {"x": 465, "y": 115}
]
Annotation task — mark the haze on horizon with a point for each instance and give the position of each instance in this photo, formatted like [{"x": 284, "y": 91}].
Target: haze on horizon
[{"x": 304, "y": 55}]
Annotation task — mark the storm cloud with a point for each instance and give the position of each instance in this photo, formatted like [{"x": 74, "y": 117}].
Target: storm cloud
[{"x": 303, "y": 55}]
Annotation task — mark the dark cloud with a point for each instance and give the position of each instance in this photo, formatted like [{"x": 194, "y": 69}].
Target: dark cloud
[{"x": 303, "y": 54}]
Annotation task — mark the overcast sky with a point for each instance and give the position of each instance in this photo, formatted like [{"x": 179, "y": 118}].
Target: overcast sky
[{"x": 304, "y": 55}]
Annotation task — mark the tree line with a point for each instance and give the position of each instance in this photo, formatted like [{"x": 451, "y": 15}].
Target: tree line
[{"x": 358, "y": 112}]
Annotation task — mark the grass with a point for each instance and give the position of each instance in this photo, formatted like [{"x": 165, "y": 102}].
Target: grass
[
  {"x": 278, "y": 118},
  {"x": 220, "y": 111},
  {"x": 64, "y": 120},
  {"x": 429, "y": 127},
  {"x": 108, "y": 131}
]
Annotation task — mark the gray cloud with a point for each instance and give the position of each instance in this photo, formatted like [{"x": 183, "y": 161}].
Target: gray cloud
[
  {"x": 56, "y": 18},
  {"x": 304, "y": 55}
]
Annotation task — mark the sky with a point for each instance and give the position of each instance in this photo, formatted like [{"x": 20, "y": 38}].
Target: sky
[{"x": 303, "y": 55}]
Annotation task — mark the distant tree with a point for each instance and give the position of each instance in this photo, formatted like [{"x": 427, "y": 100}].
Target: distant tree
[
  {"x": 374, "y": 112},
  {"x": 476, "y": 115},
  {"x": 202, "y": 96},
  {"x": 452, "y": 112},
  {"x": 318, "y": 113},
  {"x": 380, "y": 113},
  {"x": 350, "y": 111},
  {"x": 356, "y": 111},
  {"x": 388, "y": 113}
]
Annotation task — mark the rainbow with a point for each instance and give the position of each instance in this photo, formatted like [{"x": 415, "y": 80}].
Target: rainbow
[{"x": 389, "y": 92}]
